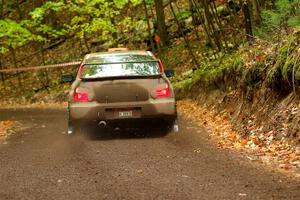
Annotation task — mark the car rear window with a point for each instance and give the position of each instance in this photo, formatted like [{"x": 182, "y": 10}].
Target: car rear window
[{"x": 147, "y": 68}]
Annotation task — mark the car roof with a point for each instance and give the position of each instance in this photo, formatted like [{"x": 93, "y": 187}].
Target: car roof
[{"x": 118, "y": 57}]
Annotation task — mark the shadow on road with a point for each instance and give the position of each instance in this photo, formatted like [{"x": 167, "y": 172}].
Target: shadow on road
[{"x": 110, "y": 134}]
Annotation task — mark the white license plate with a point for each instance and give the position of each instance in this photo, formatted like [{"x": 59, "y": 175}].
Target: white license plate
[{"x": 125, "y": 114}]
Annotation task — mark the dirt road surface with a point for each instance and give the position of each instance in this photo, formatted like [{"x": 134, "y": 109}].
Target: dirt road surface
[{"x": 41, "y": 162}]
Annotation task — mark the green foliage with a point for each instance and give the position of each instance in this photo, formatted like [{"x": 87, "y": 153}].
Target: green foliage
[
  {"x": 122, "y": 3},
  {"x": 289, "y": 59},
  {"x": 3, "y": 50},
  {"x": 282, "y": 15},
  {"x": 39, "y": 14},
  {"x": 149, "y": 2},
  {"x": 185, "y": 83},
  {"x": 183, "y": 14},
  {"x": 37, "y": 24},
  {"x": 13, "y": 34},
  {"x": 93, "y": 17},
  {"x": 136, "y": 2},
  {"x": 97, "y": 17},
  {"x": 86, "y": 18},
  {"x": 293, "y": 21}
]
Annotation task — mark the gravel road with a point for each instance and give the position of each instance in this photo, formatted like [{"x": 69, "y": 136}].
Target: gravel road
[{"x": 41, "y": 162}]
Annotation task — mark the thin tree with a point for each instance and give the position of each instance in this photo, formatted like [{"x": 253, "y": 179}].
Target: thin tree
[
  {"x": 202, "y": 20},
  {"x": 256, "y": 12},
  {"x": 19, "y": 10},
  {"x": 1, "y": 9},
  {"x": 210, "y": 22},
  {"x": 149, "y": 26},
  {"x": 194, "y": 18},
  {"x": 248, "y": 23},
  {"x": 15, "y": 62},
  {"x": 160, "y": 21},
  {"x": 1, "y": 67},
  {"x": 185, "y": 38}
]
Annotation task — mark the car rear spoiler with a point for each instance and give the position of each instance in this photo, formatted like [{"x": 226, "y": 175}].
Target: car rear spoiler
[{"x": 117, "y": 49}]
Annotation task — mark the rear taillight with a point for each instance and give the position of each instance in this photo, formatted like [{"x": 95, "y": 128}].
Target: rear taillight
[
  {"x": 162, "y": 93},
  {"x": 80, "y": 96}
]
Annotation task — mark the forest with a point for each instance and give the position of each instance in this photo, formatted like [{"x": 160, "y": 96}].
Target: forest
[
  {"x": 206, "y": 32},
  {"x": 238, "y": 57}
]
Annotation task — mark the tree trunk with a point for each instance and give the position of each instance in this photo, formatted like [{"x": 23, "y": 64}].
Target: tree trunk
[
  {"x": 248, "y": 24},
  {"x": 38, "y": 3},
  {"x": 113, "y": 22},
  {"x": 210, "y": 23},
  {"x": 1, "y": 67},
  {"x": 204, "y": 25},
  {"x": 256, "y": 12},
  {"x": 45, "y": 73},
  {"x": 13, "y": 54},
  {"x": 220, "y": 27},
  {"x": 194, "y": 18},
  {"x": 53, "y": 19},
  {"x": 185, "y": 39},
  {"x": 149, "y": 27},
  {"x": 161, "y": 24},
  {"x": 86, "y": 43},
  {"x": 1, "y": 9},
  {"x": 19, "y": 10}
]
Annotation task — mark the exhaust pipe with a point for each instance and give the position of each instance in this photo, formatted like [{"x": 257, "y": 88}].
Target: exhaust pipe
[{"x": 102, "y": 124}]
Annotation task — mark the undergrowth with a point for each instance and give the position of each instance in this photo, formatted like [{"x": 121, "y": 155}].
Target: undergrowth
[
  {"x": 225, "y": 68},
  {"x": 275, "y": 66}
]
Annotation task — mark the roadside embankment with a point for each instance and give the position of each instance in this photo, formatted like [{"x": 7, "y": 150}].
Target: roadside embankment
[{"x": 249, "y": 100}]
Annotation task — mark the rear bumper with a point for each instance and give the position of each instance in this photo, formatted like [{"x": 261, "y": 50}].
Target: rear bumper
[{"x": 94, "y": 111}]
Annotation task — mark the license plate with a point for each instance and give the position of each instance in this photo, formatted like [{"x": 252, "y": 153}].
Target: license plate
[{"x": 125, "y": 114}]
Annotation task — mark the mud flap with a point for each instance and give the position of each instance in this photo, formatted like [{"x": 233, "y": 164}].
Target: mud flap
[
  {"x": 70, "y": 130},
  {"x": 175, "y": 127}
]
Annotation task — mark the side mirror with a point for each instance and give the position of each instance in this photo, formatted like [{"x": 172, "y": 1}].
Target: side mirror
[
  {"x": 169, "y": 73},
  {"x": 68, "y": 78}
]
